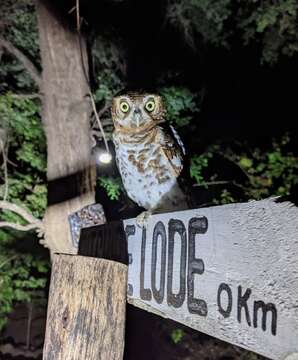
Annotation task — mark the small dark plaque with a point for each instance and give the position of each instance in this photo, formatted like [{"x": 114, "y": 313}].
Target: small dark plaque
[{"x": 107, "y": 241}]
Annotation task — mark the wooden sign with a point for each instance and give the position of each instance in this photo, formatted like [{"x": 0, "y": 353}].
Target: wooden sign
[{"x": 229, "y": 271}]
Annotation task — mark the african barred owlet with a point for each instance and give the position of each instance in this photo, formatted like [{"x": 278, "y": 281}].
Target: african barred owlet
[{"x": 149, "y": 159}]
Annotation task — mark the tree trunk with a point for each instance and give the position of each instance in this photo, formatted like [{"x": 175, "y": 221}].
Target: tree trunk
[
  {"x": 86, "y": 311},
  {"x": 66, "y": 113}
]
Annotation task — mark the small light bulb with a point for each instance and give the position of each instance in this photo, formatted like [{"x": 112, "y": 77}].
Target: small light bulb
[{"x": 105, "y": 158}]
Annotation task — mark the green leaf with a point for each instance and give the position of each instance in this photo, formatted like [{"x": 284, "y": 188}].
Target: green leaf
[
  {"x": 181, "y": 105},
  {"x": 177, "y": 335},
  {"x": 113, "y": 186},
  {"x": 245, "y": 162}
]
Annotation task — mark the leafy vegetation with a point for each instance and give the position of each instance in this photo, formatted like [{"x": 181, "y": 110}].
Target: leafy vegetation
[
  {"x": 112, "y": 185},
  {"x": 181, "y": 105},
  {"x": 22, "y": 278},
  {"x": 108, "y": 69},
  {"x": 22, "y": 275},
  {"x": 19, "y": 27},
  {"x": 177, "y": 335},
  {"x": 205, "y": 17},
  {"x": 273, "y": 172},
  {"x": 270, "y": 24},
  {"x": 197, "y": 165},
  {"x": 26, "y": 140}
]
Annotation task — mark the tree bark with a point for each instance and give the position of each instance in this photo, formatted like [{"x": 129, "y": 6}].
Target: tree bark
[
  {"x": 66, "y": 113},
  {"x": 86, "y": 311}
]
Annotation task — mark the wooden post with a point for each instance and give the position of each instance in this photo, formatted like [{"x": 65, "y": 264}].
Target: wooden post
[{"x": 86, "y": 311}]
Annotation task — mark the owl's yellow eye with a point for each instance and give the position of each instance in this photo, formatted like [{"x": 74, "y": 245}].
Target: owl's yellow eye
[
  {"x": 150, "y": 105},
  {"x": 124, "y": 106}
]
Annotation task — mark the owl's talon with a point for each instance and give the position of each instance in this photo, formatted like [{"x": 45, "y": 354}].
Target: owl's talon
[{"x": 142, "y": 219}]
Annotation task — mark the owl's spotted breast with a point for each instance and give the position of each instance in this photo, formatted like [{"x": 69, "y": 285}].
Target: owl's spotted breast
[{"x": 149, "y": 165}]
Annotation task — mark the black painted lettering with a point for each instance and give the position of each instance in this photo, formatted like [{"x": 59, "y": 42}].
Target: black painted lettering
[
  {"x": 159, "y": 233},
  {"x": 224, "y": 312},
  {"x": 242, "y": 303},
  {"x": 129, "y": 259},
  {"x": 176, "y": 300},
  {"x": 265, "y": 308},
  {"x": 145, "y": 294},
  {"x": 195, "y": 265},
  {"x": 130, "y": 230}
]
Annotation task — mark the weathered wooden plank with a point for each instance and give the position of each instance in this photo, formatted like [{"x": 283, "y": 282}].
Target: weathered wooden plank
[
  {"x": 86, "y": 310},
  {"x": 230, "y": 271}
]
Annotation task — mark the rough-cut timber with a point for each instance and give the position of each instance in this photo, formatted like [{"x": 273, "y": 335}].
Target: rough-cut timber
[
  {"x": 86, "y": 311},
  {"x": 65, "y": 114},
  {"x": 229, "y": 271}
]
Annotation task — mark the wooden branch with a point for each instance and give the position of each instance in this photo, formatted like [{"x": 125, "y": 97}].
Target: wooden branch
[
  {"x": 15, "y": 226},
  {"x": 6, "y": 205},
  {"x": 27, "y": 63},
  {"x": 86, "y": 310},
  {"x": 100, "y": 113},
  {"x": 105, "y": 108},
  {"x": 220, "y": 182},
  {"x": 33, "y": 222},
  {"x": 29, "y": 323},
  {"x": 2, "y": 150},
  {"x": 106, "y": 123},
  {"x": 27, "y": 96},
  {"x": 7, "y": 260},
  {"x": 98, "y": 120}
]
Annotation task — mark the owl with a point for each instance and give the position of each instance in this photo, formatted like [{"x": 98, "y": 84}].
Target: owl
[{"x": 149, "y": 159}]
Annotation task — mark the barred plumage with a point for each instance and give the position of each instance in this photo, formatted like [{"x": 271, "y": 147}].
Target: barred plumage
[{"x": 149, "y": 160}]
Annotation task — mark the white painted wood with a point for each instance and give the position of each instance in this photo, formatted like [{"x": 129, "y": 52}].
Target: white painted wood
[
  {"x": 292, "y": 357},
  {"x": 249, "y": 245}
]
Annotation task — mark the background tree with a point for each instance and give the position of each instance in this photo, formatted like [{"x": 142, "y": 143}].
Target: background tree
[{"x": 66, "y": 121}]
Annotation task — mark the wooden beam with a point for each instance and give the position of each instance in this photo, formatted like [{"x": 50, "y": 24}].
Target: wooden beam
[{"x": 86, "y": 311}]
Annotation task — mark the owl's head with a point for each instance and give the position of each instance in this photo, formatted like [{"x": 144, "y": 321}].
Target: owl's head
[{"x": 137, "y": 112}]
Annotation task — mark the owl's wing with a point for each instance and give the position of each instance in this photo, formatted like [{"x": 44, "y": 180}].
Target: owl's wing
[
  {"x": 173, "y": 144},
  {"x": 178, "y": 139},
  {"x": 173, "y": 150}
]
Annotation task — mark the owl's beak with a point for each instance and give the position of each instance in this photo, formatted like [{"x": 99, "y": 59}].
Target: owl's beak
[{"x": 137, "y": 118}]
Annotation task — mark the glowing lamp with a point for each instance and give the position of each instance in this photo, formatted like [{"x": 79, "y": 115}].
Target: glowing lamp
[{"x": 105, "y": 158}]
